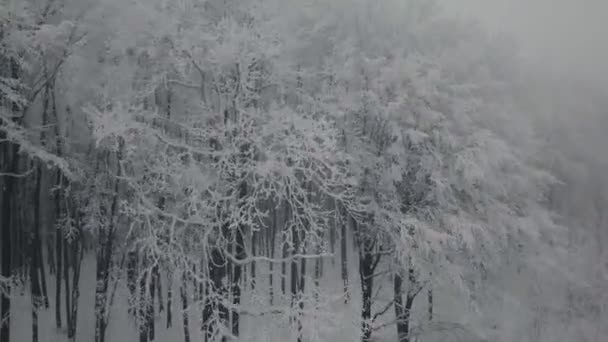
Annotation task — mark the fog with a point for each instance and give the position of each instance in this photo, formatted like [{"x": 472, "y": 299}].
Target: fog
[{"x": 570, "y": 37}]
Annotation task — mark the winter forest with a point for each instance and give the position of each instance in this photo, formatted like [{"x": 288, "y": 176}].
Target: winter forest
[{"x": 293, "y": 170}]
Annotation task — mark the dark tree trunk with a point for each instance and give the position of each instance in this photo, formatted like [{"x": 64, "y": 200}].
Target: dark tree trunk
[
  {"x": 10, "y": 160},
  {"x": 400, "y": 311},
  {"x": 343, "y": 252},
  {"x": 430, "y": 301},
  {"x": 104, "y": 259},
  {"x": 318, "y": 275},
  {"x": 218, "y": 270},
  {"x": 66, "y": 275},
  {"x": 5, "y": 239},
  {"x": 366, "y": 273},
  {"x": 143, "y": 303},
  {"x": 35, "y": 259},
  {"x": 150, "y": 305},
  {"x": 77, "y": 254},
  {"x": 296, "y": 282},
  {"x": 254, "y": 242},
  {"x": 236, "y": 282},
  {"x": 183, "y": 291},
  {"x": 35, "y": 289},
  {"x": 104, "y": 263},
  {"x": 51, "y": 256},
  {"x": 58, "y": 273},
  {"x": 301, "y": 295},
  {"x": 271, "y": 250},
  {"x": 132, "y": 280},
  {"x": 159, "y": 288},
  {"x": 169, "y": 299},
  {"x": 39, "y": 253},
  {"x": 283, "y": 267},
  {"x": 403, "y": 311},
  {"x": 284, "y": 246},
  {"x": 41, "y": 269}
]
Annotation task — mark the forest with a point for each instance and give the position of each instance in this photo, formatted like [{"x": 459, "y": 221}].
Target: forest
[{"x": 293, "y": 170}]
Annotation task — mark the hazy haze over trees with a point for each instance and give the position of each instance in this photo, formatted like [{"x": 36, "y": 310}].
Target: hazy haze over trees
[{"x": 300, "y": 170}]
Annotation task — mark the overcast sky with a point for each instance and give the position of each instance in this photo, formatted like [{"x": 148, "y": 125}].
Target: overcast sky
[{"x": 569, "y": 34}]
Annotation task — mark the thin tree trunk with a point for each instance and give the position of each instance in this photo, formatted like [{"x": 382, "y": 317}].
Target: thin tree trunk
[
  {"x": 41, "y": 269},
  {"x": 51, "y": 256},
  {"x": 218, "y": 271},
  {"x": 66, "y": 275},
  {"x": 254, "y": 242},
  {"x": 10, "y": 160},
  {"x": 5, "y": 240},
  {"x": 104, "y": 258},
  {"x": 284, "y": 247},
  {"x": 169, "y": 299},
  {"x": 430, "y": 299},
  {"x": 35, "y": 259},
  {"x": 301, "y": 296},
  {"x": 183, "y": 289},
  {"x": 283, "y": 267},
  {"x": 132, "y": 281},
  {"x": 150, "y": 305},
  {"x": 104, "y": 263},
  {"x": 236, "y": 282},
  {"x": 344, "y": 254},
  {"x": 143, "y": 303},
  {"x": 295, "y": 286},
  {"x": 35, "y": 290},
  {"x": 366, "y": 273},
  {"x": 400, "y": 311},
  {"x": 77, "y": 254},
  {"x": 58, "y": 243},
  {"x": 159, "y": 288},
  {"x": 403, "y": 312},
  {"x": 271, "y": 250}
]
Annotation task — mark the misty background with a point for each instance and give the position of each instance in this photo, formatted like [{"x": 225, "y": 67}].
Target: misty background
[{"x": 568, "y": 37}]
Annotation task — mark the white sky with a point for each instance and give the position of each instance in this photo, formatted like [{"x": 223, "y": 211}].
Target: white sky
[{"x": 568, "y": 34}]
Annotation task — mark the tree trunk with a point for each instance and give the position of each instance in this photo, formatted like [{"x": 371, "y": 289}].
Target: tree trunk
[
  {"x": 295, "y": 282},
  {"x": 272, "y": 237},
  {"x": 35, "y": 259},
  {"x": 403, "y": 312},
  {"x": 400, "y": 311},
  {"x": 77, "y": 254},
  {"x": 283, "y": 267},
  {"x": 218, "y": 271},
  {"x": 318, "y": 274},
  {"x": 430, "y": 299},
  {"x": 35, "y": 288},
  {"x": 150, "y": 305},
  {"x": 284, "y": 248},
  {"x": 366, "y": 270},
  {"x": 254, "y": 242},
  {"x": 183, "y": 290},
  {"x": 104, "y": 262},
  {"x": 236, "y": 282},
  {"x": 5, "y": 239},
  {"x": 58, "y": 273},
  {"x": 39, "y": 252},
  {"x": 104, "y": 257},
  {"x": 343, "y": 252},
  {"x": 143, "y": 302},
  {"x": 68, "y": 294},
  {"x": 10, "y": 159},
  {"x": 132, "y": 281},
  {"x": 159, "y": 288},
  {"x": 169, "y": 299}
]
